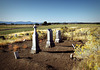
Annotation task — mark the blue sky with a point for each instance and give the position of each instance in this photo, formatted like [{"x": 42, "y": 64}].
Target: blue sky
[{"x": 50, "y": 10}]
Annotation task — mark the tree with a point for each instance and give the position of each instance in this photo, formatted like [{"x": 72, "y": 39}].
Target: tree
[
  {"x": 44, "y": 23},
  {"x": 12, "y": 23},
  {"x": 3, "y": 24},
  {"x": 36, "y": 24},
  {"x": 49, "y": 23}
]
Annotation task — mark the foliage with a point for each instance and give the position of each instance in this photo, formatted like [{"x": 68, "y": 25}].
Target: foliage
[
  {"x": 8, "y": 29},
  {"x": 45, "y": 23},
  {"x": 90, "y": 51},
  {"x": 41, "y": 34},
  {"x": 36, "y": 24}
]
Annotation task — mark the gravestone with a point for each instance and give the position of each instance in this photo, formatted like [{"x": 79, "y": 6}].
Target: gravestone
[
  {"x": 24, "y": 39},
  {"x": 49, "y": 42},
  {"x": 15, "y": 35},
  {"x": 35, "y": 44},
  {"x": 73, "y": 46},
  {"x": 58, "y": 36},
  {"x": 71, "y": 56},
  {"x": 16, "y": 55}
]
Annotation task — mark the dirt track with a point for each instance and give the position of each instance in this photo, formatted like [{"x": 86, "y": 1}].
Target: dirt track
[{"x": 56, "y": 58}]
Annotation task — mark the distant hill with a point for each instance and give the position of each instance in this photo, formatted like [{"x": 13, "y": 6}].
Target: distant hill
[
  {"x": 29, "y": 22},
  {"x": 19, "y": 22}
]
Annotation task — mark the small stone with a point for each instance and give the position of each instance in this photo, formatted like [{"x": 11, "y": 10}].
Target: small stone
[
  {"x": 71, "y": 56},
  {"x": 15, "y": 35},
  {"x": 24, "y": 39},
  {"x": 16, "y": 55},
  {"x": 73, "y": 46},
  {"x": 74, "y": 58}
]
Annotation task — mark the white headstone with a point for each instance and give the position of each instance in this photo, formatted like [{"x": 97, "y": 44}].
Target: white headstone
[
  {"x": 73, "y": 46},
  {"x": 15, "y": 35},
  {"x": 49, "y": 42},
  {"x": 24, "y": 39},
  {"x": 71, "y": 56},
  {"x": 35, "y": 44},
  {"x": 16, "y": 55},
  {"x": 58, "y": 36}
]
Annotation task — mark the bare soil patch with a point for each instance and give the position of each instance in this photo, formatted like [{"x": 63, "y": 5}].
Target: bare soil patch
[{"x": 55, "y": 58}]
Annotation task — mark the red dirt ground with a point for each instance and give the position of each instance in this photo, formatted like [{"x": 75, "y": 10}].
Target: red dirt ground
[{"x": 55, "y": 58}]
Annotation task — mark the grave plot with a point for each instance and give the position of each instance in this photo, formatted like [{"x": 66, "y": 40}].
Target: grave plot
[
  {"x": 75, "y": 43},
  {"x": 51, "y": 57},
  {"x": 55, "y": 58}
]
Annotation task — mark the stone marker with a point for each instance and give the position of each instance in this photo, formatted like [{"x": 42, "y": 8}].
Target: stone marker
[
  {"x": 35, "y": 44},
  {"x": 24, "y": 39},
  {"x": 49, "y": 42},
  {"x": 16, "y": 55},
  {"x": 71, "y": 56},
  {"x": 58, "y": 36},
  {"x": 73, "y": 46},
  {"x": 15, "y": 35}
]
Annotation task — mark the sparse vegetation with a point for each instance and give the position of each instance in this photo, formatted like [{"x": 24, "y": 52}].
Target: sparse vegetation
[
  {"x": 90, "y": 51},
  {"x": 87, "y": 34}
]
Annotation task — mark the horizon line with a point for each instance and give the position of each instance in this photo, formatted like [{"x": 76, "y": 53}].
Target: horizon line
[{"x": 57, "y": 21}]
